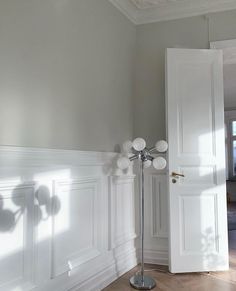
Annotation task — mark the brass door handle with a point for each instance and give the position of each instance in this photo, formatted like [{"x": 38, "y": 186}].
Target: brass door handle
[{"x": 174, "y": 174}]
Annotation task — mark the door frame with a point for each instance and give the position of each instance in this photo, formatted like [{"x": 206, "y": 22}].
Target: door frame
[{"x": 228, "y": 48}]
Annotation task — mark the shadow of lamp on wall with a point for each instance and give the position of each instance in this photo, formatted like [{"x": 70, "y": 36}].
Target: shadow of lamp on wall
[
  {"x": 145, "y": 158},
  {"x": 9, "y": 218}
]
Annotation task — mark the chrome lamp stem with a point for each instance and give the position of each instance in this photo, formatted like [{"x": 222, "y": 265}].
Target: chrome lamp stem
[
  {"x": 139, "y": 281},
  {"x": 144, "y": 155},
  {"x": 142, "y": 219}
]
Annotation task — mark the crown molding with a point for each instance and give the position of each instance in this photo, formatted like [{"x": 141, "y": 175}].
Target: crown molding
[
  {"x": 171, "y": 10},
  {"x": 127, "y": 8}
]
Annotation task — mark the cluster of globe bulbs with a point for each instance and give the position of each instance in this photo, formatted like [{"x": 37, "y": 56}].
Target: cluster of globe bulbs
[{"x": 138, "y": 148}]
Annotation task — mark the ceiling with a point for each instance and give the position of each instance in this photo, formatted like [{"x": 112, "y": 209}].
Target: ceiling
[{"x": 146, "y": 11}]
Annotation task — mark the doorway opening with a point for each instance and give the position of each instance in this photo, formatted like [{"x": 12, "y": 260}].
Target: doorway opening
[{"x": 229, "y": 70}]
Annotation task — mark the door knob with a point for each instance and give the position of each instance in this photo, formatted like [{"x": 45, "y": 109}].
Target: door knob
[{"x": 174, "y": 174}]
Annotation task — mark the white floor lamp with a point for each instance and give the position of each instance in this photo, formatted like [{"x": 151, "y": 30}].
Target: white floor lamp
[{"x": 143, "y": 154}]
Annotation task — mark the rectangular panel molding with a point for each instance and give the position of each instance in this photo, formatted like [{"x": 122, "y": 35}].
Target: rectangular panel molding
[
  {"x": 17, "y": 223},
  {"x": 77, "y": 227},
  {"x": 60, "y": 212},
  {"x": 195, "y": 239},
  {"x": 195, "y": 137},
  {"x": 122, "y": 212},
  {"x": 156, "y": 217},
  {"x": 159, "y": 206}
]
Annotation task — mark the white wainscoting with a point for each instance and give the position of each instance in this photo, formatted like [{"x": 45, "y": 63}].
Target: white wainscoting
[
  {"x": 16, "y": 236},
  {"x": 122, "y": 210},
  {"x": 67, "y": 220},
  {"x": 156, "y": 217}
]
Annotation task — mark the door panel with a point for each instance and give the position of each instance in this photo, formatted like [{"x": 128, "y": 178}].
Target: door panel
[
  {"x": 197, "y": 202},
  {"x": 194, "y": 97}
]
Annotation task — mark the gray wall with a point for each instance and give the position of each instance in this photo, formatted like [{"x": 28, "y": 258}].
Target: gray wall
[
  {"x": 66, "y": 74},
  {"x": 152, "y": 40},
  {"x": 67, "y": 70}
]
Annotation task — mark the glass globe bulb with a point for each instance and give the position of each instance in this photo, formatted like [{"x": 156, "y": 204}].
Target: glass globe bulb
[
  {"x": 161, "y": 146},
  {"x": 127, "y": 146},
  {"x": 159, "y": 163},
  {"x": 123, "y": 163},
  {"x": 147, "y": 164},
  {"x": 139, "y": 144}
]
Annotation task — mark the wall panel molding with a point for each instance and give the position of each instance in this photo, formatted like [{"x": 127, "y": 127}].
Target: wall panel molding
[
  {"x": 17, "y": 236},
  {"x": 122, "y": 211},
  {"x": 159, "y": 206},
  {"x": 80, "y": 201},
  {"x": 69, "y": 207},
  {"x": 89, "y": 186},
  {"x": 156, "y": 217}
]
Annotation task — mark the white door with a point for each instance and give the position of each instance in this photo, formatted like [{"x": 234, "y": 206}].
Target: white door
[{"x": 197, "y": 202}]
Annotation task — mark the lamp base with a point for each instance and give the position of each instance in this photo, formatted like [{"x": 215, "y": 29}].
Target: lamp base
[{"x": 142, "y": 283}]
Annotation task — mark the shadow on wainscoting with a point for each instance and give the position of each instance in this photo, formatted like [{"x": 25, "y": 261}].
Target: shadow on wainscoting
[
  {"x": 24, "y": 208},
  {"x": 110, "y": 168},
  {"x": 44, "y": 205}
]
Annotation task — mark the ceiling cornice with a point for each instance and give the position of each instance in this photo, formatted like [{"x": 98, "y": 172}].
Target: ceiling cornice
[
  {"x": 127, "y": 8},
  {"x": 172, "y": 9}
]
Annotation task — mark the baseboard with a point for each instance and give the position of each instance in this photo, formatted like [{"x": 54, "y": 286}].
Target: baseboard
[
  {"x": 109, "y": 274},
  {"x": 156, "y": 257}
]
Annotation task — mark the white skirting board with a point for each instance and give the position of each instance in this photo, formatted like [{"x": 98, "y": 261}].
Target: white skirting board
[
  {"x": 114, "y": 269},
  {"x": 68, "y": 219},
  {"x": 156, "y": 257}
]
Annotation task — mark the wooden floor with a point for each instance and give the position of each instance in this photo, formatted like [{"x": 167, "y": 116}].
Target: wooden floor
[{"x": 215, "y": 281}]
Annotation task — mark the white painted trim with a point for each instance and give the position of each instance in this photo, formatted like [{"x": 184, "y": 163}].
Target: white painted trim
[
  {"x": 10, "y": 155},
  {"x": 127, "y": 9},
  {"x": 29, "y": 249},
  {"x": 229, "y": 117},
  {"x": 156, "y": 257},
  {"x": 117, "y": 240},
  {"x": 106, "y": 276},
  {"x": 223, "y": 44},
  {"x": 26, "y": 168},
  {"x": 172, "y": 10},
  {"x": 81, "y": 256},
  {"x": 184, "y": 10},
  {"x": 111, "y": 263},
  {"x": 156, "y": 224}
]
